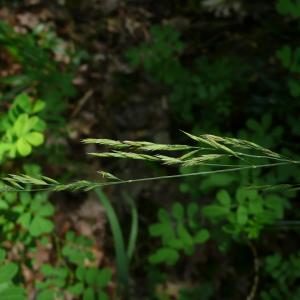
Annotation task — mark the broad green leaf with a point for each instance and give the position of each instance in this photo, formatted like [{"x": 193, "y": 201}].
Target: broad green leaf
[
  {"x": 285, "y": 55},
  {"x": 47, "y": 269},
  {"x": 34, "y": 138},
  {"x": 25, "y": 220},
  {"x": 13, "y": 293},
  {"x": 21, "y": 125},
  {"x": 241, "y": 195},
  {"x": 202, "y": 236},
  {"x": 242, "y": 215},
  {"x": 23, "y": 101},
  {"x": 76, "y": 289},
  {"x": 175, "y": 243},
  {"x": 192, "y": 210},
  {"x": 103, "y": 277},
  {"x": 163, "y": 216},
  {"x": 178, "y": 211},
  {"x": 45, "y": 210},
  {"x": 39, "y": 125},
  {"x": 10, "y": 197},
  {"x": 25, "y": 198},
  {"x": 102, "y": 296},
  {"x": 46, "y": 295},
  {"x": 39, "y": 226},
  {"x": 38, "y": 106},
  {"x": 256, "y": 206},
  {"x": 7, "y": 272},
  {"x": 4, "y": 286},
  {"x": 90, "y": 276},
  {"x": 185, "y": 236},
  {"x": 294, "y": 87},
  {"x": 288, "y": 7},
  {"x": 23, "y": 147},
  {"x": 214, "y": 211},
  {"x": 224, "y": 198},
  {"x": 89, "y": 294},
  {"x": 2, "y": 254},
  {"x": 32, "y": 123},
  {"x": 3, "y": 205},
  {"x": 162, "y": 229},
  {"x": 80, "y": 273},
  {"x": 253, "y": 125}
]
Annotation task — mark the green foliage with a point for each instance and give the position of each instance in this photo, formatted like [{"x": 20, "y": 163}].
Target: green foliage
[
  {"x": 243, "y": 216},
  {"x": 26, "y": 216},
  {"x": 179, "y": 232},
  {"x": 208, "y": 85},
  {"x": 203, "y": 90},
  {"x": 159, "y": 56},
  {"x": 284, "y": 275},
  {"x": 21, "y": 128},
  {"x": 206, "y": 291},
  {"x": 35, "y": 213},
  {"x": 39, "y": 70},
  {"x": 8, "y": 271},
  {"x": 77, "y": 248},
  {"x": 73, "y": 276},
  {"x": 265, "y": 134},
  {"x": 288, "y": 8},
  {"x": 290, "y": 59},
  {"x": 31, "y": 213},
  {"x": 246, "y": 214}
]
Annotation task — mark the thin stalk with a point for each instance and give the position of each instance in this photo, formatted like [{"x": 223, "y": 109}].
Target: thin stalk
[{"x": 52, "y": 187}]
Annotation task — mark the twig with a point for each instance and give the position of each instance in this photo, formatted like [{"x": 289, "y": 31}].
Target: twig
[
  {"x": 256, "y": 273},
  {"x": 81, "y": 102}
]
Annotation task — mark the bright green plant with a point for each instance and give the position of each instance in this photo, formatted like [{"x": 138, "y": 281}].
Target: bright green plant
[
  {"x": 21, "y": 128},
  {"x": 179, "y": 232},
  {"x": 8, "y": 271}
]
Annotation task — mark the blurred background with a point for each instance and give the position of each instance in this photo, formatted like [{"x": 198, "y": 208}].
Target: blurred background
[{"x": 144, "y": 70}]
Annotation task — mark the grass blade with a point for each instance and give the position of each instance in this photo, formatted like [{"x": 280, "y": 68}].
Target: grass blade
[{"x": 121, "y": 255}]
